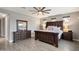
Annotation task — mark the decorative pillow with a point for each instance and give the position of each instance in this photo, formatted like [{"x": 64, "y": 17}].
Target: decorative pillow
[
  {"x": 55, "y": 28},
  {"x": 50, "y": 28},
  {"x": 59, "y": 28}
]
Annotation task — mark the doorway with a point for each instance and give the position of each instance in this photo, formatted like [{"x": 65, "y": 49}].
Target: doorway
[{"x": 3, "y": 27}]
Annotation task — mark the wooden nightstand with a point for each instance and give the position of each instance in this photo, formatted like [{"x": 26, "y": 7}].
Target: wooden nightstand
[{"x": 68, "y": 35}]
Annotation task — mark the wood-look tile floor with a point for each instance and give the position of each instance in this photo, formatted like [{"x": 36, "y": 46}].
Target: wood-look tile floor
[{"x": 35, "y": 45}]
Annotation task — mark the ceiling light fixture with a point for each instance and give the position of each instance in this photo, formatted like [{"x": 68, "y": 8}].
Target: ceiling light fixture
[{"x": 40, "y": 10}]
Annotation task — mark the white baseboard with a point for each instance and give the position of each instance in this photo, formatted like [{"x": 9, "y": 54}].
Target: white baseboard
[
  {"x": 32, "y": 34},
  {"x": 76, "y": 39},
  {"x": 11, "y": 41}
]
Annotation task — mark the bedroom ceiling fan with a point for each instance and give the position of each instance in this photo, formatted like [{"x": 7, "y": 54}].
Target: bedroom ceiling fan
[{"x": 40, "y": 10}]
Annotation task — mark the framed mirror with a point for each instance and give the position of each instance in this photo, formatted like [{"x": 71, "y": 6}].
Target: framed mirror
[{"x": 21, "y": 25}]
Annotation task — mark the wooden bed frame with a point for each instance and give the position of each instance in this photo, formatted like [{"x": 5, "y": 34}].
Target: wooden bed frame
[{"x": 49, "y": 37}]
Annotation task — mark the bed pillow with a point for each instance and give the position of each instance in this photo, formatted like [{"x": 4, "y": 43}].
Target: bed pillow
[
  {"x": 56, "y": 29},
  {"x": 59, "y": 28},
  {"x": 50, "y": 28},
  {"x": 53, "y": 28}
]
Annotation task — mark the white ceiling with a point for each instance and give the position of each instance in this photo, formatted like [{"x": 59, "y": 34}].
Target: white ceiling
[
  {"x": 2, "y": 15},
  {"x": 54, "y": 10}
]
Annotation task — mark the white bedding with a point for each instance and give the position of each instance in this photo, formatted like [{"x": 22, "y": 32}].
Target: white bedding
[
  {"x": 55, "y": 29},
  {"x": 59, "y": 33}
]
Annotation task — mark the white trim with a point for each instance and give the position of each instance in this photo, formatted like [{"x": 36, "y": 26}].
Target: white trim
[
  {"x": 76, "y": 39},
  {"x": 11, "y": 41},
  {"x": 6, "y": 27}
]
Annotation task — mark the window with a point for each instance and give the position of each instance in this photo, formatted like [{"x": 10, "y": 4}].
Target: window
[
  {"x": 66, "y": 20},
  {"x": 53, "y": 19}
]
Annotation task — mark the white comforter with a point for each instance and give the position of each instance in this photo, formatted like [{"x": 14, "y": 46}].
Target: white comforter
[
  {"x": 54, "y": 31},
  {"x": 59, "y": 33}
]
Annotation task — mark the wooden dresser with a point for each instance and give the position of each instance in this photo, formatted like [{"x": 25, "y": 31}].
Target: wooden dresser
[
  {"x": 68, "y": 35},
  {"x": 21, "y": 35}
]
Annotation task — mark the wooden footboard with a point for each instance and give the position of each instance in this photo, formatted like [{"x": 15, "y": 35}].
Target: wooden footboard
[{"x": 48, "y": 37}]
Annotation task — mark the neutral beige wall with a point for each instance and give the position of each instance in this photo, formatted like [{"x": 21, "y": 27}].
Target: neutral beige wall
[
  {"x": 73, "y": 24},
  {"x": 33, "y": 23}
]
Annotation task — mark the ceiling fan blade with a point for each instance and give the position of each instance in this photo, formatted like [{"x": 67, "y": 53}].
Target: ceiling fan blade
[
  {"x": 48, "y": 10},
  {"x": 34, "y": 13},
  {"x": 43, "y": 8},
  {"x": 45, "y": 12},
  {"x": 35, "y": 8}
]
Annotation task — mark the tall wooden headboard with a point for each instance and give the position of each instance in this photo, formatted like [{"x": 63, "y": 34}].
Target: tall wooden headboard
[{"x": 55, "y": 23}]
